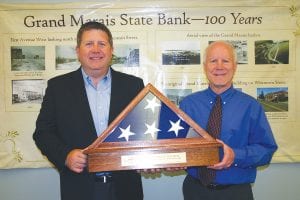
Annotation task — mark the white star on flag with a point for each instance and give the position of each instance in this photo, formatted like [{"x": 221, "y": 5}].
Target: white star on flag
[
  {"x": 151, "y": 129},
  {"x": 152, "y": 104},
  {"x": 175, "y": 127},
  {"x": 126, "y": 133}
]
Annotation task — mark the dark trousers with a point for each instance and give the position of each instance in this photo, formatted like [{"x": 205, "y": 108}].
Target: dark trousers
[
  {"x": 104, "y": 191},
  {"x": 194, "y": 190}
]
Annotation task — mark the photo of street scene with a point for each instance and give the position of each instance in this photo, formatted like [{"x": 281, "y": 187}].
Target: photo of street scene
[
  {"x": 180, "y": 53},
  {"x": 273, "y": 99},
  {"x": 272, "y": 52},
  {"x": 241, "y": 49},
  {"x": 176, "y": 95},
  {"x": 29, "y": 91},
  {"x": 126, "y": 55},
  {"x": 27, "y": 58},
  {"x": 66, "y": 58}
]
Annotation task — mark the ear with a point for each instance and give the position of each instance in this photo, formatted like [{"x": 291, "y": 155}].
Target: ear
[
  {"x": 77, "y": 50},
  {"x": 234, "y": 67},
  {"x": 204, "y": 67}
]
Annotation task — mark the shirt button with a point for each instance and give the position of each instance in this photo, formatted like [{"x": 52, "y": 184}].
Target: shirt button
[{"x": 235, "y": 165}]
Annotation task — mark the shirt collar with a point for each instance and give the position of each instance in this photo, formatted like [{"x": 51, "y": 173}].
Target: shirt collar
[
  {"x": 225, "y": 96},
  {"x": 104, "y": 83}
]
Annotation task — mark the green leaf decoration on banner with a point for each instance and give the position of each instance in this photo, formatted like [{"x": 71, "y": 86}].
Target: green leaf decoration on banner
[
  {"x": 9, "y": 137},
  {"x": 294, "y": 13}
]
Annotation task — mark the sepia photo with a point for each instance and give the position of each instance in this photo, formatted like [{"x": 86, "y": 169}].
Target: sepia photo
[
  {"x": 181, "y": 53},
  {"x": 66, "y": 58},
  {"x": 29, "y": 91},
  {"x": 126, "y": 55},
  {"x": 27, "y": 58}
]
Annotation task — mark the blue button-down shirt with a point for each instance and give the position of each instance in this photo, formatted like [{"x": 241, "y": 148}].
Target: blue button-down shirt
[
  {"x": 244, "y": 128},
  {"x": 99, "y": 100}
]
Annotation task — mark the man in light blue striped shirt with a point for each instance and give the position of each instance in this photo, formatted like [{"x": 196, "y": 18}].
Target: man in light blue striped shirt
[{"x": 77, "y": 107}]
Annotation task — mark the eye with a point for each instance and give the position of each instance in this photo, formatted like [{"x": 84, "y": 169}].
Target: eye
[
  {"x": 102, "y": 44},
  {"x": 227, "y": 61},
  {"x": 213, "y": 61},
  {"x": 89, "y": 44}
]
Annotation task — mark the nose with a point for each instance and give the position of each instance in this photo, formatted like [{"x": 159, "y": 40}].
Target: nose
[
  {"x": 220, "y": 63},
  {"x": 96, "y": 47}
]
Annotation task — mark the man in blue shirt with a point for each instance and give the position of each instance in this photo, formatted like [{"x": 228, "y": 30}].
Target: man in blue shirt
[{"x": 245, "y": 134}]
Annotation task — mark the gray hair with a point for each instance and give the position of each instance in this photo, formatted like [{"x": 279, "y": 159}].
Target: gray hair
[{"x": 223, "y": 42}]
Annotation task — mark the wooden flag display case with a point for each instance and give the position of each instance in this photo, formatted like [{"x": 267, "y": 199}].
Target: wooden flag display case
[{"x": 158, "y": 146}]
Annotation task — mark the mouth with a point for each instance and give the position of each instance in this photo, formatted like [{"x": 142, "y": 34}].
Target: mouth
[
  {"x": 96, "y": 57},
  {"x": 220, "y": 74}
]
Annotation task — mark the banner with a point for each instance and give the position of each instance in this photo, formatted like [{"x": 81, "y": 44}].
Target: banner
[{"x": 162, "y": 42}]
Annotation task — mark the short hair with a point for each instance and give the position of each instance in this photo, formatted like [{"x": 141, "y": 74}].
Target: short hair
[
  {"x": 224, "y": 42},
  {"x": 93, "y": 25}
]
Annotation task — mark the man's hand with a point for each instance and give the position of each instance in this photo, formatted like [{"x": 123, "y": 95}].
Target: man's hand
[
  {"x": 76, "y": 160},
  {"x": 228, "y": 158}
]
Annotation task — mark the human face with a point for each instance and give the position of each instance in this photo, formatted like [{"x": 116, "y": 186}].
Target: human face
[
  {"x": 219, "y": 66},
  {"x": 95, "y": 53}
]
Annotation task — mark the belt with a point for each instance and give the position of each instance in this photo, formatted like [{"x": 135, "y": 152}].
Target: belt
[
  {"x": 103, "y": 178},
  {"x": 213, "y": 186}
]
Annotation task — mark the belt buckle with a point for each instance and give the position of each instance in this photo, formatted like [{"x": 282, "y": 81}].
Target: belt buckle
[
  {"x": 212, "y": 186},
  {"x": 103, "y": 178}
]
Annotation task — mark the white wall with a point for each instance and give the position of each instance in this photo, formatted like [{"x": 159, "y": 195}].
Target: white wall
[{"x": 276, "y": 182}]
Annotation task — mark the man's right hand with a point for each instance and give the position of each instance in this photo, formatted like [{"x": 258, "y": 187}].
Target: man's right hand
[{"x": 76, "y": 160}]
